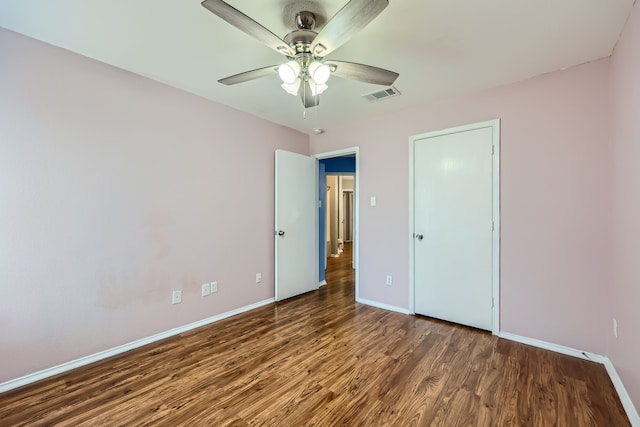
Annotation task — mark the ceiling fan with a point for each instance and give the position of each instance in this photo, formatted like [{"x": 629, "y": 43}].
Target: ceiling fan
[{"x": 306, "y": 72}]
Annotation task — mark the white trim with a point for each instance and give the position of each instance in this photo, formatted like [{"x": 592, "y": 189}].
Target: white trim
[
  {"x": 412, "y": 279},
  {"x": 553, "y": 347},
  {"x": 495, "y": 330},
  {"x": 495, "y": 274},
  {"x": 356, "y": 206},
  {"x": 625, "y": 399},
  {"x": 383, "y": 306},
  {"x": 96, "y": 357},
  {"x": 322, "y": 283}
]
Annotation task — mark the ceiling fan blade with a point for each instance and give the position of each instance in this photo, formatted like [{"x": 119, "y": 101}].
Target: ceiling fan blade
[
  {"x": 247, "y": 25},
  {"x": 249, "y": 75},
  {"x": 362, "y": 73},
  {"x": 308, "y": 100},
  {"x": 353, "y": 17}
]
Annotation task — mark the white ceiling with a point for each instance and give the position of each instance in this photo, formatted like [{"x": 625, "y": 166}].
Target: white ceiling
[{"x": 441, "y": 48}]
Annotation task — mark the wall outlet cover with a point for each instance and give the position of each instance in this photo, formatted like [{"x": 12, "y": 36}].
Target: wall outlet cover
[
  {"x": 176, "y": 297},
  {"x": 205, "y": 289}
]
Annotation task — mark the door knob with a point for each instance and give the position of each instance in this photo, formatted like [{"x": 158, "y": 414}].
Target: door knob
[
  {"x": 280, "y": 233},
  {"x": 419, "y": 236}
]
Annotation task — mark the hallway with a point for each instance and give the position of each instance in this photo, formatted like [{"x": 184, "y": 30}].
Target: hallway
[{"x": 340, "y": 273}]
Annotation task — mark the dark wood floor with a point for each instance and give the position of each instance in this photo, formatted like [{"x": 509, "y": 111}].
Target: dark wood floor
[{"x": 321, "y": 359}]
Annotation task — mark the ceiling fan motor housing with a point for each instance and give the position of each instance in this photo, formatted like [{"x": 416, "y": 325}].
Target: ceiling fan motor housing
[{"x": 301, "y": 38}]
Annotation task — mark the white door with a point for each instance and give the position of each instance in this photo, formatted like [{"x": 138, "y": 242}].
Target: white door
[
  {"x": 296, "y": 260},
  {"x": 453, "y": 230}
]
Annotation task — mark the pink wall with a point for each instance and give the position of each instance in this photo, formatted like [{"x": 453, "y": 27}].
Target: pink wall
[
  {"x": 114, "y": 190},
  {"x": 624, "y": 351},
  {"x": 555, "y": 175}
]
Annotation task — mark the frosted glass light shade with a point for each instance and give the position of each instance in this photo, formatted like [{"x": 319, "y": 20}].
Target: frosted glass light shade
[
  {"x": 319, "y": 72},
  {"x": 291, "y": 88},
  {"x": 318, "y": 89},
  {"x": 289, "y": 72}
]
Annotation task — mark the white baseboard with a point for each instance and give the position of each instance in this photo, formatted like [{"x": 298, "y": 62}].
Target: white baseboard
[
  {"x": 383, "y": 306},
  {"x": 322, "y": 283},
  {"x": 68, "y": 366},
  {"x": 625, "y": 399},
  {"x": 553, "y": 347}
]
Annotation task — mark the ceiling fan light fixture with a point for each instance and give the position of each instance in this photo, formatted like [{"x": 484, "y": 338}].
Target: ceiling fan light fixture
[
  {"x": 317, "y": 89},
  {"x": 289, "y": 72},
  {"x": 291, "y": 88},
  {"x": 319, "y": 72}
]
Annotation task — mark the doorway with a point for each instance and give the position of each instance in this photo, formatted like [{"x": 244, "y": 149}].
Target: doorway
[
  {"x": 341, "y": 165},
  {"x": 339, "y": 211},
  {"x": 454, "y": 218}
]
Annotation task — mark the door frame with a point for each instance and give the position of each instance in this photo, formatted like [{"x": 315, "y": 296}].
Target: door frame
[
  {"x": 356, "y": 208},
  {"x": 495, "y": 268}
]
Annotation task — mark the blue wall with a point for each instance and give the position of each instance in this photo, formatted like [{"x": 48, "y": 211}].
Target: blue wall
[{"x": 339, "y": 165}]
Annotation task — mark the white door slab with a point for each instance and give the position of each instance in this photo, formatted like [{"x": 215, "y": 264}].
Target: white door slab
[
  {"x": 296, "y": 260},
  {"x": 453, "y": 235}
]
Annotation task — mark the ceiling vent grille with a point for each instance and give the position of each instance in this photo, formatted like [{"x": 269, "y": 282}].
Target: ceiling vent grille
[{"x": 382, "y": 94}]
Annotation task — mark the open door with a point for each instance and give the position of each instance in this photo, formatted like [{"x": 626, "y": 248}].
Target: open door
[{"x": 296, "y": 260}]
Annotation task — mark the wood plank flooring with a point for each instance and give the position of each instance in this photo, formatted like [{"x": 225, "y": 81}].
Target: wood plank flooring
[{"x": 323, "y": 360}]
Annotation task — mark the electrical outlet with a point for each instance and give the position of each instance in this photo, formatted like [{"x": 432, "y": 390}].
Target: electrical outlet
[
  {"x": 258, "y": 277},
  {"x": 206, "y": 290},
  {"x": 214, "y": 287},
  {"x": 389, "y": 280},
  {"x": 176, "y": 297},
  {"x": 615, "y": 328}
]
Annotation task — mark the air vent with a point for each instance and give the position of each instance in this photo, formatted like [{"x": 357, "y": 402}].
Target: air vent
[{"x": 382, "y": 94}]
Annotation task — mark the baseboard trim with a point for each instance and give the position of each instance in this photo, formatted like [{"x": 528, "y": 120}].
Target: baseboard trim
[
  {"x": 625, "y": 399},
  {"x": 383, "y": 306},
  {"x": 553, "y": 347},
  {"x": 68, "y": 366},
  {"x": 322, "y": 283}
]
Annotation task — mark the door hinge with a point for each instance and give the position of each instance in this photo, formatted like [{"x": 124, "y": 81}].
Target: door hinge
[
  {"x": 493, "y": 149},
  {"x": 493, "y": 225}
]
